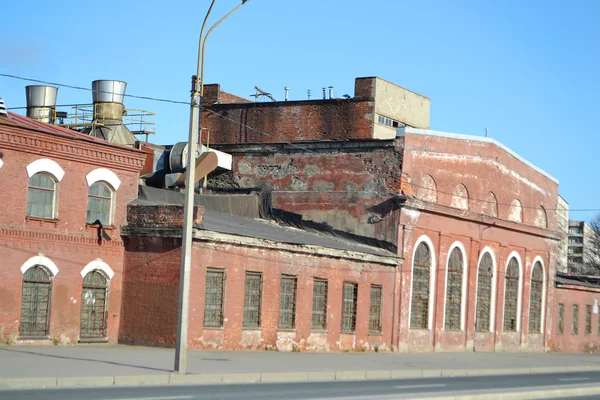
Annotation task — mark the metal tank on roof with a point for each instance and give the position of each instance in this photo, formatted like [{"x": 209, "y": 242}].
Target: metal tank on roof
[{"x": 41, "y": 102}]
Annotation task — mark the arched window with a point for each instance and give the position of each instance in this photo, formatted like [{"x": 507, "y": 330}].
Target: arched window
[
  {"x": 484, "y": 294},
  {"x": 454, "y": 291},
  {"x": 535, "y": 303},
  {"x": 35, "y": 302},
  {"x": 511, "y": 296},
  {"x": 93, "y": 305},
  {"x": 419, "y": 311},
  {"x": 515, "y": 212},
  {"x": 41, "y": 196},
  {"x": 490, "y": 205},
  {"x": 100, "y": 203},
  {"x": 460, "y": 197},
  {"x": 427, "y": 189}
]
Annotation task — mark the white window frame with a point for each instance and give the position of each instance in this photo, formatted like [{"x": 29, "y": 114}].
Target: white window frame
[
  {"x": 99, "y": 265},
  {"x": 516, "y": 255},
  {"x": 543, "y": 313},
  {"x": 428, "y": 242},
  {"x": 42, "y": 260},
  {"x": 463, "y": 297},
  {"x": 490, "y": 251}
]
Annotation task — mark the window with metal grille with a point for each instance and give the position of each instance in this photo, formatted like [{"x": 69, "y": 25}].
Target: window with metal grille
[
  {"x": 93, "y": 305},
  {"x": 99, "y": 206},
  {"x": 252, "y": 300},
  {"x": 561, "y": 318},
  {"x": 419, "y": 308},
  {"x": 588, "y": 319},
  {"x": 349, "y": 307},
  {"x": 214, "y": 298},
  {"x": 511, "y": 296},
  {"x": 41, "y": 196},
  {"x": 484, "y": 294},
  {"x": 375, "y": 309},
  {"x": 575, "y": 320},
  {"x": 535, "y": 303},
  {"x": 287, "y": 302},
  {"x": 454, "y": 291},
  {"x": 35, "y": 302},
  {"x": 319, "y": 310}
]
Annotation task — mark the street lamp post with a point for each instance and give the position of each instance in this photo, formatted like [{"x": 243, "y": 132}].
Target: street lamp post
[{"x": 188, "y": 211}]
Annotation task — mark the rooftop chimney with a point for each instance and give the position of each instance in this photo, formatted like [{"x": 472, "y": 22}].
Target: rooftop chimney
[
  {"x": 287, "y": 92},
  {"x": 324, "y": 93},
  {"x": 41, "y": 102},
  {"x": 331, "y": 92},
  {"x": 3, "y": 112}
]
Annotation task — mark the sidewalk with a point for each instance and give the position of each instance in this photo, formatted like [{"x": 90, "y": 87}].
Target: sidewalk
[{"x": 139, "y": 365}]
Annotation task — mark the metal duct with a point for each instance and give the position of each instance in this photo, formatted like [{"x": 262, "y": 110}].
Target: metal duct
[
  {"x": 108, "y": 96},
  {"x": 41, "y": 102}
]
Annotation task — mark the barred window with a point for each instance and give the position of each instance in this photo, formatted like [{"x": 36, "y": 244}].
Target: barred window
[
  {"x": 575, "y": 320},
  {"x": 214, "y": 298},
  {"x": 287, "y": 302},
  {"x": 99, "y": 205},
  {"x": 319, "y": 310},
  {"x": 454, "y": 291},
  {"x": 349, "y": 308},
  {"x": 588, "y": 319},
  {"x": 41, "y": 196},
  {"x": 419, "y": 309},
  {"x": 535, "y": 303},
  {"x": 94, "y": 298},
  {"x": 561, "y": 318},
  {"x": 35, "y": 302},
  {"x": 484, "y": 294},
  {"x": 252, "y": 300},
  {"x": 511, "y": 296},
  {"x": 375, "y": 309}
]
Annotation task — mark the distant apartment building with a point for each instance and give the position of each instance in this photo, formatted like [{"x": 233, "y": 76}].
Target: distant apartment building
[{"x": 581, "y": 240}]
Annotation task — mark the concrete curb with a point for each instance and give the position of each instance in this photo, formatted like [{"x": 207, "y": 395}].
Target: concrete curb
[
  {"x": 539, "y": 393},
  {"x": 271, "y": 377}
]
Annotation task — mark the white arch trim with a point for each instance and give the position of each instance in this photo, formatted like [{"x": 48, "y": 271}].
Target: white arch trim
[
  {"x": 45, "y": 165},
  {"x": 463, "y": 296},
  {"x": 484, "y": 251},
  {"x": 519, "y": 294},
  {"x": 427, "y": 240},
  {"x": 1, "y": 163},
  {"x": 40, "y": 259},
  {"x": 103, "y": 174},
  {"x": 543, "y": 315},
  {"x": 98, "y": 264}
]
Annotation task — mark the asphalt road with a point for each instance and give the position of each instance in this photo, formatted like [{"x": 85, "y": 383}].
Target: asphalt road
[{"x": 356, "y": 390}]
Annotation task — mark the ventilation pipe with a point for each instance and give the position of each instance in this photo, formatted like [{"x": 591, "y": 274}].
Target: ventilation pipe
[
  {"x": 324, "y": 93},
  {"x": 41, "y": 102},
  {"x": 287, "y": 92},
  {"x": 3, "y": 111},
  {"x": 108, "y": 99},
  {"x": 330, "y": 92}
]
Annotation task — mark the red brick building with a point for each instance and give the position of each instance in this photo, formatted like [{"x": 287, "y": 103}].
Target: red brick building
[{"x": 60, "y": 279}]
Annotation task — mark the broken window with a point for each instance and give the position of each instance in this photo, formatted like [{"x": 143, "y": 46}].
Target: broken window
[
  {"x": 375, "y": 309},
  {"x": 94, "y": 298},
  {"x": 588, "y": 319},
  {"x": 252, "y": 300},
  {"x": 213, "y": 299},
  {"x": 349, "y": 307},
  {"x": 419, "y": 309},
  {"x": 287, "y": 302},
  {"x": 35, "y": 302},
  {"x": 561, "y": 318},
  {"x": 484, "y": 294},
  {"x": 99, "y": 206},
  {"x": 535, "y": 303},
  {"x": 319, "y": 310},
  {"x": 454, "y": 291},
  {"x": 511, "y": 296},
  {"x": 575, "y": 320},
  {"x": 41, "y": 196}
]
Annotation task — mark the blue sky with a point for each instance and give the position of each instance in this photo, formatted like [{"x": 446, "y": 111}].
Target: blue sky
[{"x": 527, "y": 70}]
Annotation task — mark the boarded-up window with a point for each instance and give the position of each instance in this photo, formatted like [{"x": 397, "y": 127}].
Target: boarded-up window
[
  {"x": 94, "y": 298},
  {"x": 484, "y": 294},
  {"x": 319, "y": 310},
  {"x": 99, "y": 206},
  {"x": 35, "y": 302},
  {"x": 214, "y": 298},
  {"x": 41, "y": 196},
  {"x": 375, "y": 309},
  {"x": 575, "y": 320},
  {"x": 535, "y": 303},
  {"x": 454, "y": 291},
  {"x": 511, "y": 296},
  {"x": 588, "y": 319},
  {"x": 287, "y": 302},
  {"x": 349, "y": 307},
  {"x": 419, "y": 309},
  {"x": 561, "y": 318},
  {"x": 252, "y": 300}
]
